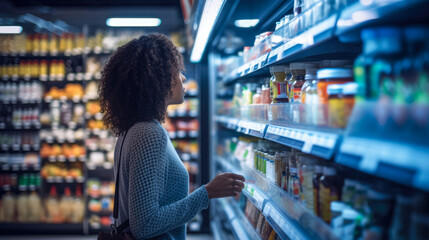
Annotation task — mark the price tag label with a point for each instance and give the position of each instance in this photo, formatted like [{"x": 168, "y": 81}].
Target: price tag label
[
  {"x": 277, "y": 131},
  {"x": 258, "y": 198},
  {"x": 282, "y": 132}
]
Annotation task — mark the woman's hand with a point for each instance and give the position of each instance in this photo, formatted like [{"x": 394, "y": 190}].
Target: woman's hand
[{"x": 225, "y": 185}]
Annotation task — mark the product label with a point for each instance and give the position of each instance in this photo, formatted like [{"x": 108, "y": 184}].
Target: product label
[
  {"x": 282, "y": 90},
  {"x": 296, "y": 94}
]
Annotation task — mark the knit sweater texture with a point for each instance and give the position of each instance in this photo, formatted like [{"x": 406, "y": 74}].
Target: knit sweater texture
[{"x": 154, "y": 185}]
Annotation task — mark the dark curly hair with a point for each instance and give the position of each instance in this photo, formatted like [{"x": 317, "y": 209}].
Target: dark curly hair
[{"x": 137, "y": 80}]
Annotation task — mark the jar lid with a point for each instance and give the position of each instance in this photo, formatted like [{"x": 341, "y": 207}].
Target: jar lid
[
  {"x": 329, "y": 171},
  {"x": 338, "y": 206},
  {"x": 311, "y": 66},
  {"x": 335, "y": 89},
  {"x": 349, "y": 214},
  {"x": 298, "y": 65},
  {"x": 350, "y": 88},
  {"x": 334, "y": 73},
  {"x": 277, "y": 68}
]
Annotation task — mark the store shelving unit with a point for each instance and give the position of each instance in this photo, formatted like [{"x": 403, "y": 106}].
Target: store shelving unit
[
  {"x": 289, "y": 218},
  {"x": 353, "y": 146}
]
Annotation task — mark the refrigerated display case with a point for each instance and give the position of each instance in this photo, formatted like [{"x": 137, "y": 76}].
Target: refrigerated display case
[{"x": 319, "y": 158}]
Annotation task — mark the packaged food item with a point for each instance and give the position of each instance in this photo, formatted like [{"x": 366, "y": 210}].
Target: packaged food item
[
  {"x": 306, "y": 172},
  {"x": 266, "y": 230},
  {"x": 78, "y": 206},
  {"x": 317, "y": 175},
  {"x": 295, "y": 187},
  {"x": 8, "y": 202},
  {"x": 257, "y": 99},
  {"x": 336, "y": 105},
  {"x": 329, "y": 76},
  {"x": 34, "y": 206},
  {"x": 260, "y": 222},
  {"x": 349, "y": 190},
  {"x": 298, "y": 79},
  {"x": 329, "y": 192},
  {"x": 278, "y": 84},
  {"x": 65, "y": 205},
  {"x": 21, "y": 207},
  {"x": 310, "y": 76},
  {"x": 52, "y": 207}
]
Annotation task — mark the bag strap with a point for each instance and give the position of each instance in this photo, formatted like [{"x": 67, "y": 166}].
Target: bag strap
[{"x": 125, "y": 224}]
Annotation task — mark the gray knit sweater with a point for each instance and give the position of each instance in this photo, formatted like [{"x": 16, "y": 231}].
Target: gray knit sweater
[{"x": 154, "y": 185}]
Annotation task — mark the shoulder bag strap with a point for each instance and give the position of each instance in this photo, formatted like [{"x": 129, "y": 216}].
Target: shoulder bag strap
[{"x": 116, "y": 201}]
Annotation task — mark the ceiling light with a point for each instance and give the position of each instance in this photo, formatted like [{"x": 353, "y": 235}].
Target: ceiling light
[
  {"x": 246, "y": 23},
  {"x": 133, "y": 22},
  {"x": 10, "y": 29},
  {"x": 208, "y": 19}
]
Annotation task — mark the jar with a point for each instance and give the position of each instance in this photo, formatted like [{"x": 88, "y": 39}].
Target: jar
[
  {"x": 329, "y": 192},
  {"x": 336, "y": 105},
  {"x": 297, "y": 78},
  {"x": 306, "y": 171},
  {"x": 349, "y": 93},
  {"x": 277, "y": 84},
  {"x": 310, "y": 75},
  {"x": 330, "y": 76}
]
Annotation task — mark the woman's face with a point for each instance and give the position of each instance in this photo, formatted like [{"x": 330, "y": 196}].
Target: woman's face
[{"x": 178, "y": 91}]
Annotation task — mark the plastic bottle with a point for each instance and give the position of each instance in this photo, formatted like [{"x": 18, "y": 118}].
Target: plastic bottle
[
  {"x": 329, "y": 192},
  {"x": 22, "y": 207},
  {"x": 66, "y": 205},
  {"x": 310, "y": 76},
  {"x": 8, "y": 202},
  {"x": 78, "y": 207},
  {"x": 257, "y": 99},
  {"x": 297, "y": 79},
  {"x": 52, "y": 207},
  {"x": 34, "y": 207}
]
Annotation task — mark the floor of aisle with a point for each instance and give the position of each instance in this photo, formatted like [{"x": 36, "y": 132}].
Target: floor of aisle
[{"x": 91, "y": 237}]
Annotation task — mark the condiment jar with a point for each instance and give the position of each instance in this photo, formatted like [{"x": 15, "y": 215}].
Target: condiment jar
[
  {"x": 336, "y": 105},
  {"x": 330, "y": 76}
]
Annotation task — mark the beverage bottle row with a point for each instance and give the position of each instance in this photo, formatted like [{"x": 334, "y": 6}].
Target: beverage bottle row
[
  {"x": 19, "y": 116},
  {"x": 23, "y": 92},
  {"x": 15, "y": 68},
  {"x": 10, "y": 139},
  {"x": 42, "y": 44}
]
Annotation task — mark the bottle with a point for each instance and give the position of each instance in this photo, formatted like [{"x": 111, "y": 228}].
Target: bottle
[
  {"x": 21, "y": 207},
  {"x": 328, "y": 76},
  {"x": 310, "y": 76},
  {"x": 66, "y": 205},
  {"x": 294, "y": 188},
  {"x": 53, "y": 45},
  {"x": 52, "y": 207},
  {"x": 34, "y": 206},
  {"x": 8, "y": 202},
  {"x": 278, "y": 77},
  {"x": 317, "y": 175},
  {"x": 298, "y": 78},
  {"x": 257, "y": 97},
  {"x": 329, "y": 192},
  {"x": 78, "y": 207},
  {"x": 44, "y": 45},
  {"x": 265, "y": 94},
  {"x": 306, "y": 176}
]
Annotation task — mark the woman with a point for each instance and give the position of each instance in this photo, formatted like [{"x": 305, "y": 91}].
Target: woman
[{"x": 139, "y": 81}]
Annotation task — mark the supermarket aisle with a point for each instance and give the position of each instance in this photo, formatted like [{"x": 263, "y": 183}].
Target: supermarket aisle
[{"x": 78, "y": 237}]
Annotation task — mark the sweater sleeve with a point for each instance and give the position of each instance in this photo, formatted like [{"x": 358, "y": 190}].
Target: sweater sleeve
[{"x": 147, "y": 181}]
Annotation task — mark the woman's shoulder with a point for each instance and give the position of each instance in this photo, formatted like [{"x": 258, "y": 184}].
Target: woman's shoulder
[{"x": 147, "y": 130}]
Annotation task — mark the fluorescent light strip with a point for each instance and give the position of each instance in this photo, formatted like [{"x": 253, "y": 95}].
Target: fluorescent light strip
[
  {"x": 246, "y": 23},
  {"x": 210, "y": 14},
  {"x": 10, "y": 29},
  {"x": 133, "y": 22}
]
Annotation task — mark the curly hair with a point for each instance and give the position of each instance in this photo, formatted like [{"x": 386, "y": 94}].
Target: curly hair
[{"x": 137, "y": 80}]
